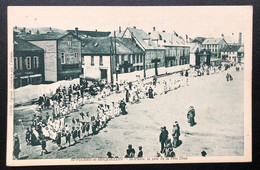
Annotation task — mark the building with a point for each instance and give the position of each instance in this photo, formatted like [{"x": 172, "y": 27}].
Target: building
[
  {"x": 176, "y": 51},
  {"x": 62, "y": 59},
  {"x": 214, "y": 45},
  {"x": 233, "y": 53},
  {"x": 195, "y": 44},
  {"x": 28, "y": 63},
  {"x": 104, "y": 57},
  {"x": 154, "y": 54},
  {"x": 233, "y": 39}
]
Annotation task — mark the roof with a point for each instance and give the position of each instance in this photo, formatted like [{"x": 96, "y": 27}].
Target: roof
[
  {"x": 143, "y": 39},
  {"x": 230, "y": 40},
  {"x": 198, "y": 40},
  {"x": 212, "y": 41},
  {"x": 42, "y": 30},
  {"x": 194, "y": 47},
  {"x": 23, "y": 45},
  {"x": 167, "y": 39},
  {"x": 231, "y": 48},
  {"x": 102, "y": 45},
  {"x": 47, "y": 36},
  {"x": 241, "y": 49},
  {"x": 86, "y": 34}
]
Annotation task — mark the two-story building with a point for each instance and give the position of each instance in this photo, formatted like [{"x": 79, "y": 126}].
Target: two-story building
[
  {"x": 62, "y": 54},
  {"x": 28, "y": 63},
  {"x": 214, "y": 45},
  {"x": 103, "y": 57},
  {"x": 154, "y": 54},
  {"x": 176, "y": 51},
  {"x": 233, "y": 53}
]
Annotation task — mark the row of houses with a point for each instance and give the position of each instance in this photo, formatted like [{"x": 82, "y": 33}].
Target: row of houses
[{"x": 50, "y": 55}]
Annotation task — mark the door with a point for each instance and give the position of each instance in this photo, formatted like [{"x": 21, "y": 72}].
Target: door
[{"x": 103, "y": 73}]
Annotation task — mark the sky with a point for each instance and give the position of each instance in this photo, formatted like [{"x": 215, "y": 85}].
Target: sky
[{"x": 193, "y": 21}]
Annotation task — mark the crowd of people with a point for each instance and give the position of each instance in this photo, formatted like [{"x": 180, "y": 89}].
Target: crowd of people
[{"x": 59, "y": 124}]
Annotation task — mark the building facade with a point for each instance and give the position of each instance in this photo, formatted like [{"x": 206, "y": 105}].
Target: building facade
[
  {"x": 214, "y": 45},
  {"x": 154, "y": 54},
  {"x": 105, "y": 56},
  {"x": 176, "y": 51},
  {"x": 62, "y": 54},
  {"x": 28, "y": 63},
  {"x": 233, "y": 53}
]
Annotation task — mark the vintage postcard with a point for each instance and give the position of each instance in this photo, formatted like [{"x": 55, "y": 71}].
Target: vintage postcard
[{"x": 129, "y": 85}]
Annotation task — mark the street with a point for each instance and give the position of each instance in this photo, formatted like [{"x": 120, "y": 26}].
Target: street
[{"x": 219, "y": 116}]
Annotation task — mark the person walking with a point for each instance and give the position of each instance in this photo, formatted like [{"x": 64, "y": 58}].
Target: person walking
[
  {"x": 191, "y": 116},
  {"x": 122, "y": 106},
  {"x": 163, "y": 137},
  {"x": 150, "y": 93},
  {"x": 16, "y": 150},
  {"x": 176, "y": 134},
  {"x": 43, "y": 143}
]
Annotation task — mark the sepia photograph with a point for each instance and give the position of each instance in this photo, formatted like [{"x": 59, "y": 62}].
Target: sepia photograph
[{"x": 129, "y": 85}]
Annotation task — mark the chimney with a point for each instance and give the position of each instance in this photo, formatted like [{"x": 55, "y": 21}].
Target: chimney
[
  {"x": 149, "y": 33},
  {"x": 77, "y": 31},
  {"x": 24, "y": 29},
  {"x": 30, "y": 31},
  {"x": 163, "y": 30},
  {"x": 96, "y": 30},
  {"x": 120, "y": 29},
  {"x": 15, "y": 27},
  {"x": 153, "y": 28},
  {"x": 37, "y": 32},
  {"x": 134, "y": 27},
  {"x": 240, "y": 38},
  {"x": 222, "y": 35}
]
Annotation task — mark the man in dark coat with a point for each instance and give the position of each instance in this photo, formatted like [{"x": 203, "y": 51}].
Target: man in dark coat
[
  {"x": 191, "y": 116},
  {"x": 122, "y": 107},
  {"x": 163, "y": 137},
  {"x": 150, "y": 93},
  {"x": 175, "y": 136},
  {"x": 16, "y": 150},
  {"x": 131, "y": 151},
  {"x": 127, "y": 95}
]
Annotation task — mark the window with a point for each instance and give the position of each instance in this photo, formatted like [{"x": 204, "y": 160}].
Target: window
[
  {"x": 63, "y": 58},
  {"x": 70, "y": 41},
  {"x": 137, "y": 58},
  {"x": 92, "y": 60},
  {"x": 101, "y": 60},
  {"x": 15, "y": 63},
  {"x": 21, "y": 63},
  {"x": 35, "y": 62},
  {"x": 122, "y": 59},
  {"x": 77, "y": 57},
  {"x": 133, "y": 58},
  {"x": 141, "y": 58},
  {"x": 28, "y": 62}
]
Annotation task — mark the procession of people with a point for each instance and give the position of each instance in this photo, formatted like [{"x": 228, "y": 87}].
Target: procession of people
[{"x": 62, "y": 115}]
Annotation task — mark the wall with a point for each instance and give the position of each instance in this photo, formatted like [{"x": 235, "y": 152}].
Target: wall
[
  {"x": 94, "y": 72},
  {"x": 21, "y": 94},
  {"x": 72, "y": 66},
  {"x": 50, "y": 59}
]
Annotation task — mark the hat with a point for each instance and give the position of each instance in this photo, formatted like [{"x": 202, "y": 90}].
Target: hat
[{"x": 176, "y": 123}]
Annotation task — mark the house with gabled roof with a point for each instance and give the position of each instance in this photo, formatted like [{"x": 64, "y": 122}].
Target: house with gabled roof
[
  {"x": 214, "y": 45},
  {"x": 233, "y": 53},
  {"x": 176, "y": 51},
  {"x": 154, "y": 53},
  {"x": 62, "y": 54},
  {"x": 28, "y": 63},
  {"x": 105, "y": 58}
]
